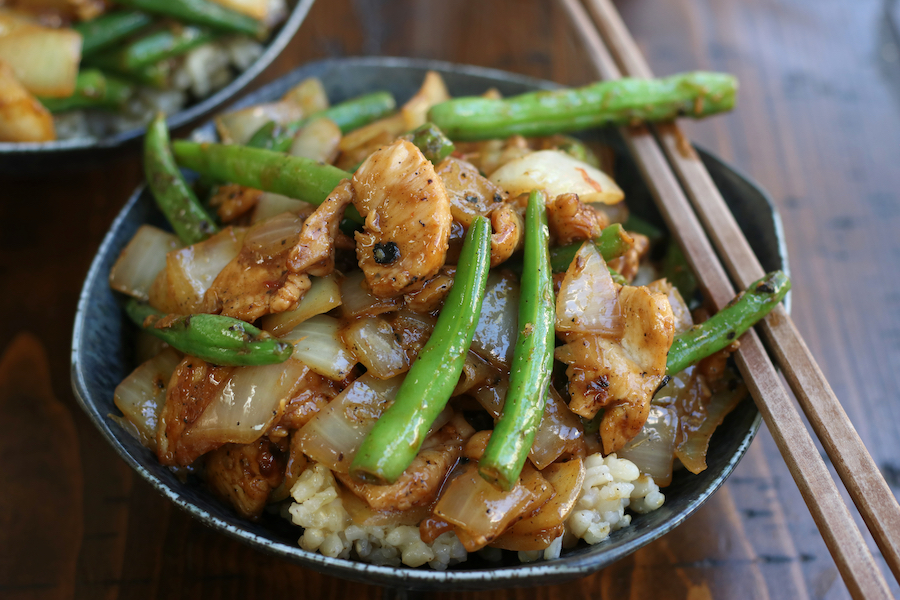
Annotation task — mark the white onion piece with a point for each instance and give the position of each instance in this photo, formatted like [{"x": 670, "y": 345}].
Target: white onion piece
[
  {"x": 559, "y": 432},
  {"x": 653, "y": 449},
  {"x": 557, "y": 173},
  {"x": 333, "y": 436},
  {"x": 248, "y": 404},
  {"x": 691, "y": 450},
  {"x": 498, "y": 325},
  {"x": 274, "y": 235},
  {"x": 318, "y": 343},
  {"x": 475, "y": 372},
  {"x": 239, "y": 126},
  {"x": 588, "y": 299},
  {"x": 142, "y": 395},
  {"x": 45, "y": 61},
  {"x": 317, "y": 141},
  {"x": 309, "y": 94},
  {"x": 192, "y": 270},
  {"x": 270, "y": 204},
  {"x": 566, "y": 479},
  {"x": 22, "y": 117},
  {"x": 357, "y": 300},
  {"x": 372, "y": 340},
  {"x": 141, "y": 261},
  {"x": 323, "y": 295},
  {"x": 478, "y": 508}
]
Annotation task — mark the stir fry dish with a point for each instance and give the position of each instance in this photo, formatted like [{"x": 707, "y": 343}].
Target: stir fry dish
[
  {"x": 90, "y": 68},
  {"x": 425, "y": 332}
]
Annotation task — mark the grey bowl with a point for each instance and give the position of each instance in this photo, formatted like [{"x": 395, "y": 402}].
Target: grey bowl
[
  {"x": 19, "y": 158},
  {"x": 101, "y": 356}
]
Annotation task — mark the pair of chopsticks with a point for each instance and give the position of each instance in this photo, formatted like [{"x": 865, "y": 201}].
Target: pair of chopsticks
[{"x": 675, "y": 173}]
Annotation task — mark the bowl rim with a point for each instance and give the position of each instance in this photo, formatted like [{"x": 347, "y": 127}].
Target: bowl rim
[
  {"x": 183, "y": 117},
  {"x": 568, "y": 567}
]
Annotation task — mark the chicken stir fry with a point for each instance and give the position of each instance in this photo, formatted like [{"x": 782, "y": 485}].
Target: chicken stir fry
[{"x": 385, "y": 356}]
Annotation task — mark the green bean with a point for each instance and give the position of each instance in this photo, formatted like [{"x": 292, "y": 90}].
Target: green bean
[
  {"x": 348, "y": 115},
  {"x": 532, "y": 361},
  {"x": 292, "y": 176},
  {"x": 147, "y": 50},
  {"x": 612, "y": 243},
  {"x": 173, "y": 195},
  {"x": 728, "y": 324},
  {"x": 108, "y": 29},
  {"x": 157, "y": 75},
  {"x": 214, "y": 338},
  {"x": 394, "y": 441},
  {"x": 432, "y": 142},
  {"x": 93, "y": 89},
  {"x": 619, "y": 102},
  {"x": 201, "y": 12}
]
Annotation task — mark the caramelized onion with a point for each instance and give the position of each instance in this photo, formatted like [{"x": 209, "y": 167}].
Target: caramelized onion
[
  {"x": 141, "y": 261},
  {"x": 251, "y": 400},
  {"x": 588, "y": 298},
  {"x": 372, "y": 340},
  {"x": 318, "y": 344},
  {"x": 498, "y": 325},
  {"x": 653, "y": 449},
  {"x": 142, "y": 394},
  {"x": 323, "y": 295}
]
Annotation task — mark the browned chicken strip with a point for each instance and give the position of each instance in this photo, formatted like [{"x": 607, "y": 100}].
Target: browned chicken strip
[
  {"x": 258, "y": 282},
  {"x": 314, "y": 252},
  {"x": 193, "y": 385},
  {"x": 572, "y": 220},
  {"x": 407, "y": 213},
  {"x": 422, "y": 480},
  {"x": 245, "y": 474}
]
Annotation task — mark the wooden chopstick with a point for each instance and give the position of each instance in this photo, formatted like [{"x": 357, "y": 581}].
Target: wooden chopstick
[
  {"x": 855, "y": 466},
  {"x": 843, "y": 538}
]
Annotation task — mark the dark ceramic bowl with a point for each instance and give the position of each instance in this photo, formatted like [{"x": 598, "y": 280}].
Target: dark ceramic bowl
[
  {"x": 101, "y": 356},
  {"x": 18, "y": 158}
]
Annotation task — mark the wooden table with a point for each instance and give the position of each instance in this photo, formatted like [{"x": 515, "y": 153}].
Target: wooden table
[{"x": 818, "y": 125}]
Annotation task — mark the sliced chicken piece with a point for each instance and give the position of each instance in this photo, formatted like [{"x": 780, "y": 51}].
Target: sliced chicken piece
[
  {"x": 258, "y": 282},
  {"x": 194, "y": 384},
  {"x": 314, "y": 394},
  {"x": 430, "y": 296},
  {"x": 314, "y": 252},
  {"x": 422, "y": 480},
  {"x": 472, "y": 195},
  {"x": 232, "y": 201},
  {"x": 407, "y": 219},
  {"x": 244, "y": 475},
  {"x": 621, "y": 374},
  {"x": 572, "y": 220},
  {"x": 508, "y": 233}
]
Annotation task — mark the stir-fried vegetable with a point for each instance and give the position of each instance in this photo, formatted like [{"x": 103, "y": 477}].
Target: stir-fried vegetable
[
  {"x": 173, "y": 195},
  {"x": 729, "y": 323},
  {"x": 201, "y": 12},
  {"x": 397, "y": 436},
  {"x": 532, "y": 358},
  {"x": 621, "y": 102},
  {"x": 214, "y": 338}
]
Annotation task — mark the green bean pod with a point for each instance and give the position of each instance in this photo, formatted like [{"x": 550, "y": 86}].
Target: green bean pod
[
  {"x": 292, "y": 176},
  {"x": 348, "y": 115},
  {"x": 93, "y": 89},
  {"x": 616, "y": 102},
  {"x": 394, "y": 441},
  {"x": 435, "y": 146},
  {"x": 214, "y": 338},
  {"x": 728, "y": 324},
  {"x": 152, "y": 48},
  {"x": 612, "y": 243},
  {"x": 532, "y": 361},
  {"x": 173, "y": 195},
  {"x": 201, "y": 12},
  {"x": 108, "y": 29}
]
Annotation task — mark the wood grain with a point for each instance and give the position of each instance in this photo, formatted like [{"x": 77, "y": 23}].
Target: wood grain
[
  {"x": 817, "y": 124},
  {"x": 854, "y": 464}
]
